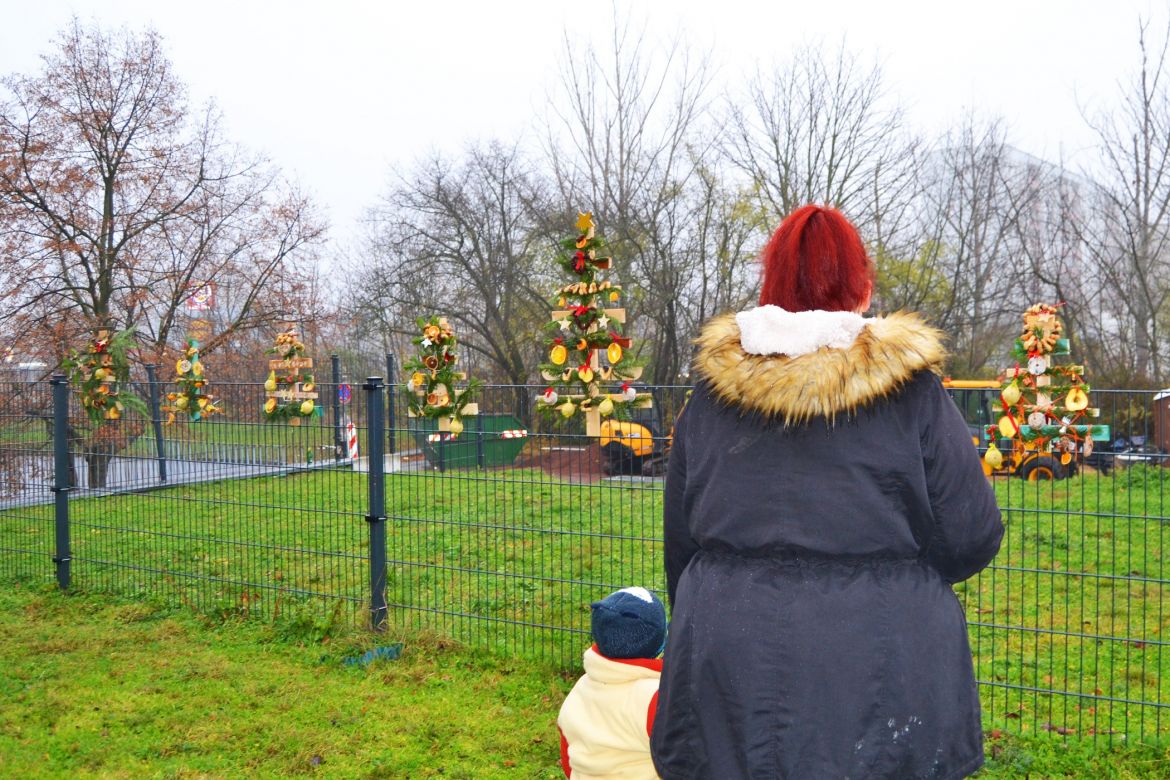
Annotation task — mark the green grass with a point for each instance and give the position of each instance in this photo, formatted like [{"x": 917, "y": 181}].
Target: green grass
[
  {"x": 25, "y": 435},
  {"x": 1058, "y": 756},
  {"x": 106, "y": 688},
  {"x": 95, "y": 686},
  {"x": 514, "y": 551},
  {"x": 212, "y": 439},
  {"x": 505, "y": 560},
  {"x": 216, "y": 439},
  {"x": 1085, "y": 556}
]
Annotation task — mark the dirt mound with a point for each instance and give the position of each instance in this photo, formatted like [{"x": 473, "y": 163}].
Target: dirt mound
[{"x": 572, "y": 464}]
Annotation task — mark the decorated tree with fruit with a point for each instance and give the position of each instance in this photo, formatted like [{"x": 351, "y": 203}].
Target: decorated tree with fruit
[
  {"x": 100, "y": 376},
  {"x": 191, "y": 396},
  {"x": 583, "y": 332},
  {"x": 290, "y": 388},
  {"x": 433, "y": 375},
  {"x": 1044, "y": 401}
]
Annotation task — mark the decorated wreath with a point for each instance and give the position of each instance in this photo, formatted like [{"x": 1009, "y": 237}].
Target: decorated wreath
[
  {"x": 191, "y": 396},
  {"x": 1042, "y": 329},
  {"x": 432, "y": 376},
  {"x": 101, "y": 373},
  {"x": 290, "y": 387}
]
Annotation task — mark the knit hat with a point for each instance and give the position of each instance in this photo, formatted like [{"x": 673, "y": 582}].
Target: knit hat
[{"x": 629, "y": 623}]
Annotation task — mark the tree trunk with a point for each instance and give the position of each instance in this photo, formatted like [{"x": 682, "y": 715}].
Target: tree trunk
[
  {"x": 1142, "y": 347},
  {"x": 103, "y": 443},
  {"x": 98, "y": 468}
]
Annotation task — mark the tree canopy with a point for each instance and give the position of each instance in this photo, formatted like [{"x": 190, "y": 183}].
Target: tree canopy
[{"x": 119, "y": 200}]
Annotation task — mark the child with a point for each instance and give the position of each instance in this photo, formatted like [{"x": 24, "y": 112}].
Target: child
[{"x": 606, "y": 719}]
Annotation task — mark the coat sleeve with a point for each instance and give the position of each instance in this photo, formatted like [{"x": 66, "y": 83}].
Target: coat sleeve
[
  {"x": 677, "y": 542},
  {"x": 643, "y": 708},
  {"x": 967, "y": 526}
]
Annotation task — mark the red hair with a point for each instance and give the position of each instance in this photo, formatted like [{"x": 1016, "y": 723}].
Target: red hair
[{"x": 815, "y": 260}]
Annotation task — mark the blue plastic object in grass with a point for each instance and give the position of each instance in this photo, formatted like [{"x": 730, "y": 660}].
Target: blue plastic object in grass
[{"x": 385, "y": 653}]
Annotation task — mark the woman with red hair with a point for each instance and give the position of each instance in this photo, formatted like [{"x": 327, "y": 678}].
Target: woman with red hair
[{"x": 822, "y": 498}]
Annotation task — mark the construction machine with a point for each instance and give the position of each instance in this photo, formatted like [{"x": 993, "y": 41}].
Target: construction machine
[{"x": 1030, "y": 460}]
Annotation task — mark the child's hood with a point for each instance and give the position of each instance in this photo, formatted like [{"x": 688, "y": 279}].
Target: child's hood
[{"x": 620, "y": 670}]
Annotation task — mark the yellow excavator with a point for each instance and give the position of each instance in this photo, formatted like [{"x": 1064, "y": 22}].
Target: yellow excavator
[
  {"x": 635, "y": 446},
  {"x": 1026, "y": 459}
]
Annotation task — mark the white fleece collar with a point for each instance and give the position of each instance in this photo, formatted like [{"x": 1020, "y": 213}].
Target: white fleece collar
[{"x": 770, "y": 330}]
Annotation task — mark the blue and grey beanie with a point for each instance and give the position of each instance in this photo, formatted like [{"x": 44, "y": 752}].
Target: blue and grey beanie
[{"x": 629, "y": 623}]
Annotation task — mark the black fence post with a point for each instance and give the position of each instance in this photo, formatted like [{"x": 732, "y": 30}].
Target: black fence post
[
  {"x": 63, "y": 556},
  {"x": 156, "y": 421},
  {"x": 480, "y": 450},
  {"x": 339, "y": 445},
  {"x": 391, "y": 423},
  {"x": 377, "y": 495}
]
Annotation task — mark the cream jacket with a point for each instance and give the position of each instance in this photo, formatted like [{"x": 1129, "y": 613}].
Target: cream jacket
[{"x": 606, "y": 719}]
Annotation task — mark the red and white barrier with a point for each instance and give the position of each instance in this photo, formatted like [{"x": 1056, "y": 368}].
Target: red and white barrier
[
  {"x": 515, "y": 433},
  {"x": 351, "y": 439}
]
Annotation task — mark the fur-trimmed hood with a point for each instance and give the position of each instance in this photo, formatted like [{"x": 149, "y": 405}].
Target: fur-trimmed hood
[{"x": 886, "y": 353}]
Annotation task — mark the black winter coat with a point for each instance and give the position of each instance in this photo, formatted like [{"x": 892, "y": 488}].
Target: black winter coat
[{"x": 817, "y": 511}]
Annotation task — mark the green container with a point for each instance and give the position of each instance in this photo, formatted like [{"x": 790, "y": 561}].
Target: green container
[
  {"x": 1098, "y": 431},
  {"x": 483, "y": 442}
]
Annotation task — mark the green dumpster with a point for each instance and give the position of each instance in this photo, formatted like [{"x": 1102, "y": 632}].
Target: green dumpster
[{"x": 487, "y": 440}]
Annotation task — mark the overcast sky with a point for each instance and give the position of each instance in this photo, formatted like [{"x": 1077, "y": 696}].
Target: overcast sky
[{"x": 337, "y": 92}]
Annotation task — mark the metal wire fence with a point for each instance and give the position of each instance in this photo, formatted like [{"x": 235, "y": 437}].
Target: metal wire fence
[
  {"x": 26, "y": 473},
  {"x": 502, "y": 536},
  {"x": 1068, "y": 625}
]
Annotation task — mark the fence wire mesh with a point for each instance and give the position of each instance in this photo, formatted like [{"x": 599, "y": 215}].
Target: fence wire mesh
[
  {"x": 507, "y": 533},
  {"x": 502, "y": 536},
  {"x": 26, "y": 477},
  {"x": 1068, "y": 624}
]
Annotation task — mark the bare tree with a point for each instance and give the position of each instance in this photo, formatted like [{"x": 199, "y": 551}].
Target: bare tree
[
  {"x": 1049, "y": 206},
  {"x": 628, "y": 138},
  {"x": 1128, "y": 237},
  {"x": 966, "y": 229},
  {"x": 119, "y": 201},
  {"x": 726, "y": 231},
  {"x": 460, "y": 239},
  {"x": 821, "y": 129}
]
